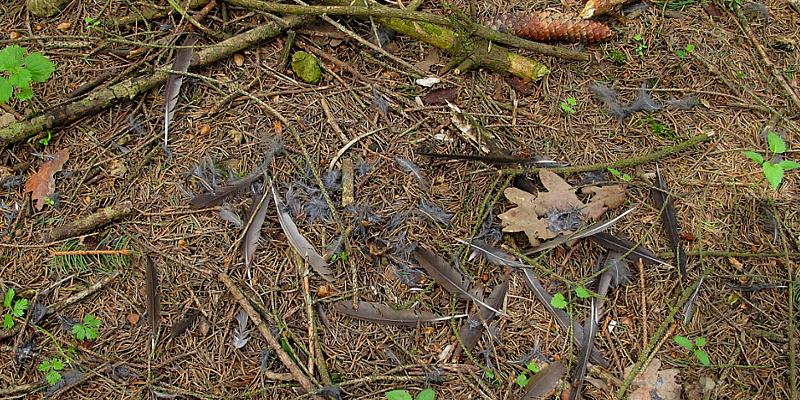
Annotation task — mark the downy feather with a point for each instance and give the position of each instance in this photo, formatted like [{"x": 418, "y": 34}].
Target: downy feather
[
  {"x": 381, "y": 313},
  {"x": 413, "y": 169},
  {"x": 241, "y": 335}
]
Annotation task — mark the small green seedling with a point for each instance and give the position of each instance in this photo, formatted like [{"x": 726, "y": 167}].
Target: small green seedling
[
  {"x": 617, "y": 57},
  {"x": 733, "y": 5},
  {"x": 582, "y": 292},
  {"x": 695, "y": 347},
  {"x": 50, "y": 369},
  {"x": 402, "y": 394},
  {"x": 87, "y": 330},
  {"x": 790, "y": 71},
  {"x": 567, "y": 105},
  {"x": 558, "y": 301},
  {"x": 17, "y": 71},
  {"x": 620, "y": 175},
  {"x": 523, "y": 379},
  {"x": 341, "y": 256},
  {"x": 773, "y": 171},
  {"x": 15, "y": 308},
  {"x": 682, "y": 53},
  {"x": 91, "y": 23},
  {"x": 640, "y": 46}
]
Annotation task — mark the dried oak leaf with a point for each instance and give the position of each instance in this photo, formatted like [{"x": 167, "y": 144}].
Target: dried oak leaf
[
  {"x": 603, "y": 198},
  {"x": 42, "y": 184},
  {"x": 655, "y": 383},
  {"x": 537, "y": 215}
]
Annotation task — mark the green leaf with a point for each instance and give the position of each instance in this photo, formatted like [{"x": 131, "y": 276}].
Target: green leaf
[
  {"x": 427, "y": 394},
  {"x": 702, "y": 356},
  {"x": 773, "y": 173},
  {"x": 57, "y": 364},
  {"x": 571, "y": 101},
  {"x": 11, "y": 57},
  {"x": 40, "y": 67},
  {"x": 522, "y": 380},
  {"x": 399, "y": 395},
  {"x": 776, "y": 144},
  {"x": 788, "y": 165},
  {"x": 21, "y": 78},
  {"x": 626, "y": 178},
  {"x": 489, "y": 374},
  {"x": 8, "y": 321},
  {"x": 6, "y": 90},
  {"x": 44, "y": 366},
  {"x": 700, "y": 342},
  {"x": 582, "y": 293},
  {"x": 90, "y": 321},
  {"x": 758, "y": 158},
  {"x": 637, "y": 37},
  {"x": 558, "y": 301},
  {"x": 52, "y": 377},
  {"x": 614, "y": 172},
  {"x": 683, "y": 341},
  {"x": 19, "y": 308},
  {"x": 306, "y": 67},
  {"x": 79, "y": 331},
  {"x": 8, "y": 297},
  {"x": 25, "y": 94},
  {"x": 533, "y": 367},
  {"x": 689, "y": 48}
]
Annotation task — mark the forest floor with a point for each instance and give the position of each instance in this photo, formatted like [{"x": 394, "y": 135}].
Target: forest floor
[{"x": 370, "y": 118}]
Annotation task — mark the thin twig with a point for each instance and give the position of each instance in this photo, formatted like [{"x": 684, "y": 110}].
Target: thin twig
[
  {"x": 120, "y": 252},
  {"x": 301, "y": 378},
  {"x": 644, "y": 303}
]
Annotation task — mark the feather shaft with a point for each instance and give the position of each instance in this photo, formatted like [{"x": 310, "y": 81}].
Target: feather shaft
[
  {"x": 153, "y": 294},
  {"x": 630, "y": 250},
  {"x": 381, "y": 313},
  {"x": 183, "y": 58}
]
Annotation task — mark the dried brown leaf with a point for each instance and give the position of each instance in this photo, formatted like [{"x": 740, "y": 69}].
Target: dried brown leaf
[
  {"x": 42, "y": 184},
  {"x": 654, "y": 382},
  {"x": 603, "y": 198}
]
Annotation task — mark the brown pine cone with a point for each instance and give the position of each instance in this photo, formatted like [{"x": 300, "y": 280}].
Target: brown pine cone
[
  {"x": 551, "y": 27},
  {"x": 594, "y": 8}
]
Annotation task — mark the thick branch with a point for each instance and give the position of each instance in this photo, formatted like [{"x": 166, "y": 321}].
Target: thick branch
[
  {"x": 128, "y": 89},
  {"x": 367, "y": 8}
]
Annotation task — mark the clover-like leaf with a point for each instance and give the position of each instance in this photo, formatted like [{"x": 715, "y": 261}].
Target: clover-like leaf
[
  {"x": 399, "y": 394},
  {"x": 426, "y": 394},
  {"x": 558, "y": 301}
]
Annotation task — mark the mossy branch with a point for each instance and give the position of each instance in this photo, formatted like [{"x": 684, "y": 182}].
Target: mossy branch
[{"x": 128, "y": 89}]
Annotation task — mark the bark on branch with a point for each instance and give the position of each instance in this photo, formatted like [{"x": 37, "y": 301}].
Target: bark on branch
[{"x": 128, "y": 89}]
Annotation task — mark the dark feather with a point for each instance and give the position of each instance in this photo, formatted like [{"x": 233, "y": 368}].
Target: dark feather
[
  {"x": 663, "y": 201},
  {"x": 252, "y": 235},
  {"x": 183, "y": 325},
  {"x": 298, "y": 242},
  {"x": 472, "y": 328},
  {"x": 381, "y": 313},
  {"x": 560, "y": 316},
  {"x": 690, "y": 306},
  {"x": 492, "y": 254},
  {"x": 542, "y": 385},
  {"x": 631, "y": 250},
  {"x": 153, "y": 294},
  {"x": 241, "y": 335},
  {"x": 585, "y": 232},
  {"x": 183, "y": 58},
  {"x": 448, "y": 277},
  {"x": 539, "y": 161},
  {"x": 435, "y": 213},
  {"x": 218, "y": 195},
  {"x": 617, "y": 268}
]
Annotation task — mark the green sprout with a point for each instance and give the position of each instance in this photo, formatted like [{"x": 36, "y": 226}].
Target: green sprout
[
  {"x": 640, "y": 46},
  {"x": 774, "y": 172},
  {"x": 682, "y": 53},
  {"x": 617, "y": 57},
  {"x": 402, "y": 394},
  {"x": 87, "y": 330},
  {"x": 523, "y": 379},
  {"x": 50, "y": 369},
  {"x": 620, "y": 175},
  {"x": 567, "y": 105},
  {"x": 17, "y": 71},
  {"x": 15, "y": 308},
  {"x": 695, "y": 347}
]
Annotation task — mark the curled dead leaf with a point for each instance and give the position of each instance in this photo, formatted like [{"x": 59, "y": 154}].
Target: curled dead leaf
[{"x": 42, "y": 184}]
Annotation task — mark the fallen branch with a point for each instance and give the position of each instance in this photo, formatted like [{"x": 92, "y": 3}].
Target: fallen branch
[
  {"x": 624, "y": 163},
  {"x": 128, "y": 89},
  {"x": 91, "y": 222},
  {"x": 368, "y": 8},
  {"x": 276, "y": 347}
]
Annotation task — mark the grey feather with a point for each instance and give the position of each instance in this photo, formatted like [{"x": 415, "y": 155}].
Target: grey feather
[
  {"x": 690, "y": 306},
  {"x": 413, "y": 169},
  {"x": 183, "y": 58},
  {"x": 241, "y": 335},
  {"x": 381, "y": 313},
  {"x": 228, "y": 215},
  {"x": 586, "y": 232},
  {"x": 686, "y": 103},
  {"x": 448, "y": 277},
  {"x": 252, "y": 235},
  {"x": 153, "y": 294},
  {"x": 298, "y": 242},
  {"x": 435, "y": 213}
]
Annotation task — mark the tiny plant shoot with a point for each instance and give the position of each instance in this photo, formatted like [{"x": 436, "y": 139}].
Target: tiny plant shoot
[
  {"x": 402, "y": 394},
  {"x": 17, "y": 71},
  {"x": 88, "y": 329},
  {"x": 523, "y": 379},
  {"x": 682, "y": 53},
  {"x": 640, "y": 46},
  {"x": 567, "y": 105},
  {"x": 50, "y": 369},
  {"x": 695, "y": 347},
  {"x": 12, "y": 308},
  {"x": 620, "y": 175},
  {"x": 773, "y": 171}
]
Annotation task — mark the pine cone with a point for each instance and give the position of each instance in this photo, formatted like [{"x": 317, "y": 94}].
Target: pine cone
[
  {"x": 550, "y": 27},
  {"x": 594, "y": 8}
]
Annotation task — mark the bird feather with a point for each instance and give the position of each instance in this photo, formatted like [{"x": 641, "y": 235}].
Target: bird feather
[
  {"x": 663, "y": 200},
  {"x": 183, "y": 58},
  {"x": 629, "y": 249},
  {"x": 381, "y": 313},
  {"x": 153, "y": 294}
]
